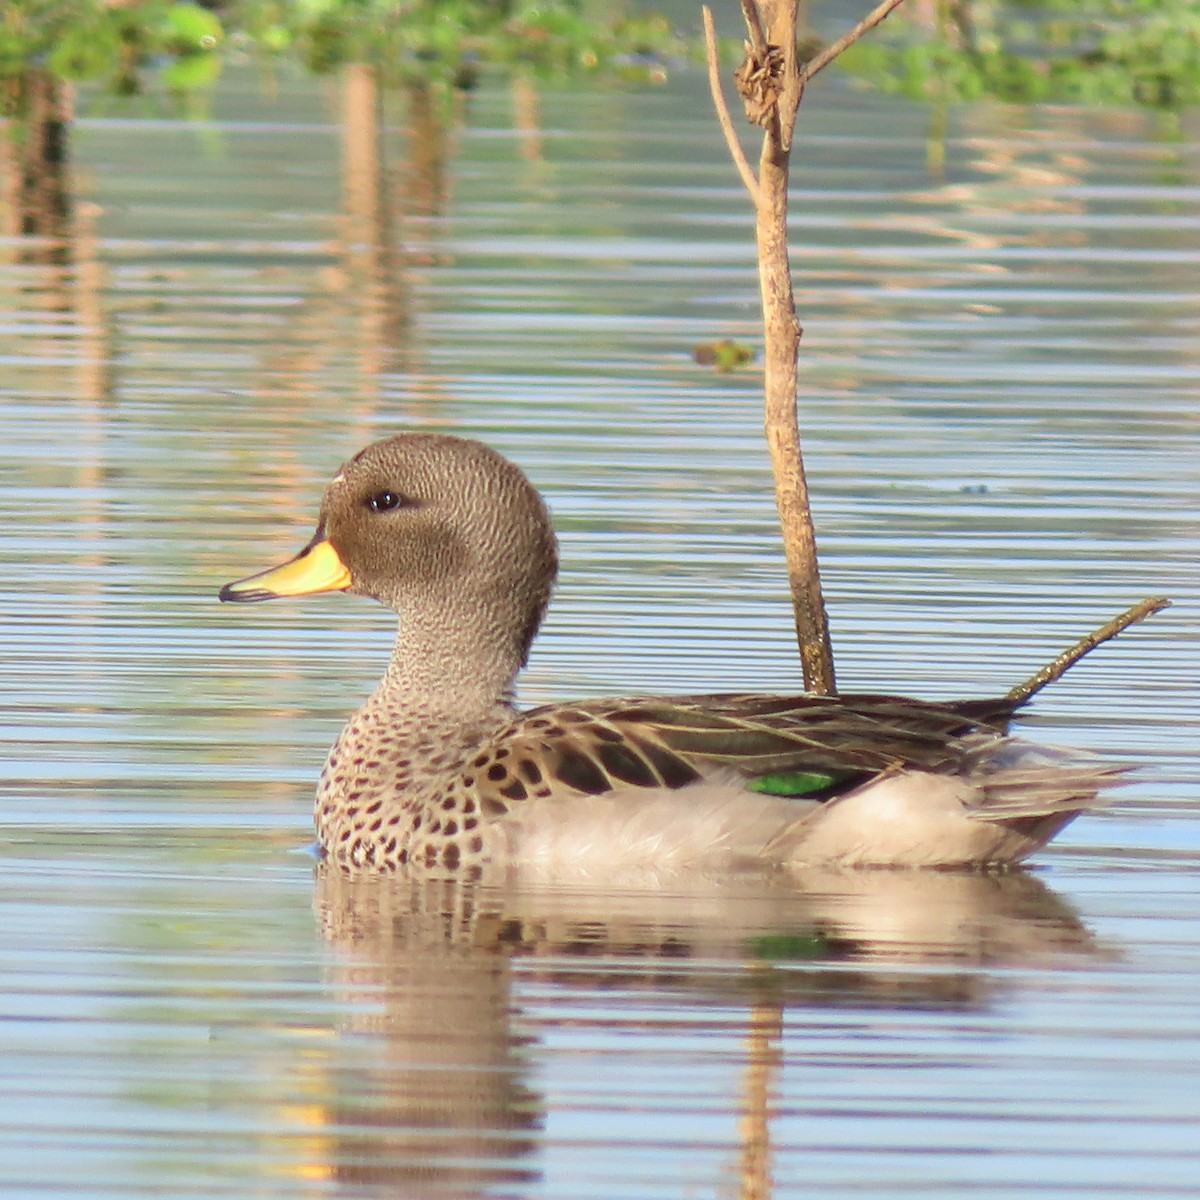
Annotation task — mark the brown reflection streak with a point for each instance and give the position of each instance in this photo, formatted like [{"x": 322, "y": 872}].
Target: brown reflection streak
[
  {"x": 429, "y": 149},
  {"x": 95, "y": 356},
  {"x": 764, "y": 1058},
  {"x": 425, "y": 194},
  {"x": 377, "y": 266},
  {"x": 38, "y": 191},
  {"x": 365, "y": 248},
  {"x": 53, "y": 232},
  {"x": 372, "y": 282},
  {"x": 95, "y": 393},
  {"x": 525, "y": 118}
]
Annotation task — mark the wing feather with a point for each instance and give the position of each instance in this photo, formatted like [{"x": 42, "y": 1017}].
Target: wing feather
[{"x": 670, "y": 741}]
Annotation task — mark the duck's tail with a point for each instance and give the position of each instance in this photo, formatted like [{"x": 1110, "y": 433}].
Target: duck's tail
[
  {"x": 1016, "y": 781},
  {"x": 1005, "y": 800}
]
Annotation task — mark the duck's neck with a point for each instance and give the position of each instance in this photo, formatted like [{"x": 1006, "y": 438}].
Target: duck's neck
[{"x": 459, "y": 667}]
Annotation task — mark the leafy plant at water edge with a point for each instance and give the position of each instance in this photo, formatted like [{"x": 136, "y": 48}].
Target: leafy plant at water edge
[
  {"x": 1130, "y": 52},
  {"x": 408, "y": 41},
  {"x": 110, "y": 44},
  {"x": 1144, "y": 52},
  {"x": 447, "y": 43}
]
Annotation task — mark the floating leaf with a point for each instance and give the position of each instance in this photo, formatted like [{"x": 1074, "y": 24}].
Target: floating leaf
[{"x": 724, "y": 355}]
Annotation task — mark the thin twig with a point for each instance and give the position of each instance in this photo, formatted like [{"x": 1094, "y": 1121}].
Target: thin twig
[
  {"x": 820, "y": 61},
  {"x": 1068, "y": 658},
  {"x": 758, "y": 39},
  {"x": 714, "y": 82}
]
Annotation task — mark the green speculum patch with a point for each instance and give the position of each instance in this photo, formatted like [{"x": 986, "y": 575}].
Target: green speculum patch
[{"x": 795, "y": 783}]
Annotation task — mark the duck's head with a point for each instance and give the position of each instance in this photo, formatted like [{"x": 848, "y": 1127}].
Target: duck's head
[{"x": 427, "y": 524}]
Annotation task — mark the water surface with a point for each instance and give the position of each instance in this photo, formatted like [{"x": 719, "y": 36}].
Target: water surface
[{"x": 999, "y": 399}]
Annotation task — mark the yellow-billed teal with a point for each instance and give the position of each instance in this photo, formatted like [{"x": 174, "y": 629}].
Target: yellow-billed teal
[{"x": 439, "y": 769}]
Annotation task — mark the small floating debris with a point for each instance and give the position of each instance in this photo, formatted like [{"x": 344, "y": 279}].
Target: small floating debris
[{"x": 725, "y": 355}]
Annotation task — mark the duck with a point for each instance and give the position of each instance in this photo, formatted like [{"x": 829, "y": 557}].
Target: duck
[{"x": 439, "y": 770}]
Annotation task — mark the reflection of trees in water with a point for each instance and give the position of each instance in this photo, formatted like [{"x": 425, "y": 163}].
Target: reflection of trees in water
[
  {"x": 52, "y": 227},
  {"x": 357, "y": 328},
  {"x": 377, "y": 243},
  {"x": 382, "y": 234},
  {"x": 36, "y": 193},
  {"x": 51, "y": 231},
  {"x": 376, "y": 275},
  {"x": 436, "y": 1098},
  {"x": 357, "y": 320}
]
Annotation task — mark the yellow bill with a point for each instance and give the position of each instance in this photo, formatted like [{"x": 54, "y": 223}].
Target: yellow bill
[{"x": 317, "y": 568}]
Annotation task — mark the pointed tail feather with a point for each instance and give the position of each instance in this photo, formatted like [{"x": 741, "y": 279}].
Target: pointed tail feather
[{"x": 1016, "y": 781}]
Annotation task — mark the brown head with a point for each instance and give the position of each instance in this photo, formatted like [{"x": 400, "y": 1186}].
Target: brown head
[{"x": 428, "y": 524}]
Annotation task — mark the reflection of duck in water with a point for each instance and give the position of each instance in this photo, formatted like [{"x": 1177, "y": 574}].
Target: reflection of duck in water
[
  {"x": 452, "y": 988},
  {"x": 438, "y": 769},
  {"x": 430, "y": 1096},
  {"x": 974, "y": 919}
]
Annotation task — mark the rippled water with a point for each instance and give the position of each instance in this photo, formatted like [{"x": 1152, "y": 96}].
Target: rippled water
[{"x": 1000, "y": 404}]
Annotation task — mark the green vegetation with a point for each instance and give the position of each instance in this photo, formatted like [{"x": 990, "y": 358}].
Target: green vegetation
[
  {"x": 1128, "y": 52},
  {"x": 95, "y": 42},
  {"x": 450, "y": 40},
  {"x": 1133, "y": 52},
  {"x": 445, "y": 42}
]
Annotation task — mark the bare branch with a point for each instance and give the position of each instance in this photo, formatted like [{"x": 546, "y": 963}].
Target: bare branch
[
  {"x": 1068, "y": 658},
  {"x": 758, "y": 39},
  {"x": 822, "y": 60},
  {"x": 788, "y": 11},
  {"x": 714, "y": 82}
]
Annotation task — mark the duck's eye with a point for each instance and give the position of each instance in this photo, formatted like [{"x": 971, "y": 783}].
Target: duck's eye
[{"x": 385, "y": 501}]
